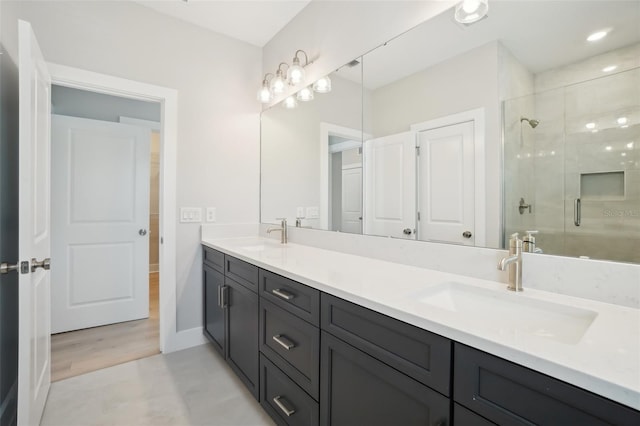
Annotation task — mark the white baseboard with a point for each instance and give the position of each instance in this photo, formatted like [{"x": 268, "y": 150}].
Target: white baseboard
[{"x": 185, "y": 339}]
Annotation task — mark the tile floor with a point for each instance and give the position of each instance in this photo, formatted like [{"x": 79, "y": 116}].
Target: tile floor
[{"x": 189, "y": 387}]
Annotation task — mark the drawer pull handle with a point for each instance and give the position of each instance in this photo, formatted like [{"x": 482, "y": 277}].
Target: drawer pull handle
[
  {"x": 283, "y": 294},
  {"x": 284, "y": 342},
  {"x": 280, "y": 403}
]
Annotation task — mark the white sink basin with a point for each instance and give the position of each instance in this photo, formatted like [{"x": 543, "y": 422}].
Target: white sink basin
[{"x": 508, "y": 313}]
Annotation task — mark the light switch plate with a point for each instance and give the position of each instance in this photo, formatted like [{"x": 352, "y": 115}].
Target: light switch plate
[
  {"x": 190, "y": 215},
  {"x": 211, "y": 214},
  {"x": 313, "y": 212}
]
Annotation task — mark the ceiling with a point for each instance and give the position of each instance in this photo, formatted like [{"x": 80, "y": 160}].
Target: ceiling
[
  {"x": 541, "y": 34},
  {"x": 253, "y": 21}
]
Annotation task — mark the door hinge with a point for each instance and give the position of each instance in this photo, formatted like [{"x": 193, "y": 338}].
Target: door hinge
[
  {"x": 417, "y": 150},
  {"x": 418, "y": 215}
]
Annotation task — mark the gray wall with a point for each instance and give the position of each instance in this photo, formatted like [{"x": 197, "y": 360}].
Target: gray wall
[{"x": 98, "y": 106}]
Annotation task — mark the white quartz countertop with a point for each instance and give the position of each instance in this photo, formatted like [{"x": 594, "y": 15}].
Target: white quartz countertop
[{"x": 592, "y": 345}]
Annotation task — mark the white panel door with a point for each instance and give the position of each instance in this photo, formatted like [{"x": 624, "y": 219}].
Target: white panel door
[
  {"x": 100, "y": 222},
  {"x": 34, "y": 328},
  {"x": 445, "y": 184},
  {"x": 352, "y": 199},
  {"x": 389, "y": 186}
]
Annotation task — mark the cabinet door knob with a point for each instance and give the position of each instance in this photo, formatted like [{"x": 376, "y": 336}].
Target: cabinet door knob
[{"x": 280, "y": 402}]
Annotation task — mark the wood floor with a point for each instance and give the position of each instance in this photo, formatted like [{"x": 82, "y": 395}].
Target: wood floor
[{"x": 81, "y": 351}]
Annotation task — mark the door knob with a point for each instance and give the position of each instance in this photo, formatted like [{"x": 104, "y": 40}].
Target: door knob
[
  {"x": 407, "y": 231},
  {"x": 467, "y": 234},
  {"x": 6, "y": 267},
  {"x": 44, "y": 264},
  {"x": 142, "y": 232}
]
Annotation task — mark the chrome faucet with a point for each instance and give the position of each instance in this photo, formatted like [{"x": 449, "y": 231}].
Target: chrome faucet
[
  {"x": 514, "y": 263},
  {"x": 282, "y": 229},
  {"x": 529, "y": 243}
]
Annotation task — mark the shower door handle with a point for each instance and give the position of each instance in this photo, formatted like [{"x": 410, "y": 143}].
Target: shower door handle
[{"x": 577, "y": 212}]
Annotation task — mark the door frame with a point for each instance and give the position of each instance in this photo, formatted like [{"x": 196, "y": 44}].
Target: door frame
[
  {"x": 477, "y": 116},
  {"x": 327, "y": 130},
  {"x": 101, "y": 83}
]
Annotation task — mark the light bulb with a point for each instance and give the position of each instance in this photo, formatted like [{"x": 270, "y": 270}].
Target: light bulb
[
  {"x": 290, "y": 102},
  {"x": 305, "y": 95},
  {"x": 470, "y": 11},
  {"x": 295, "y": 74},
  {"x": 598, "y": 35},
  {"x": 470, "y": 6},
  {"x": 264, "y": 95},
  {"x": 323, "y": 85},
  {"x": 277, "y": 84}
]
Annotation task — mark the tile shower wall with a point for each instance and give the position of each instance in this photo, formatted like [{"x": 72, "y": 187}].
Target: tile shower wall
[{"x": 544, "y": 165}]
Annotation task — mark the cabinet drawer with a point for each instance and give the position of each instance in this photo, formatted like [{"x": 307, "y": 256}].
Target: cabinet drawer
[
  {"x": 357, "y": 389},
  {"x": 213, "y": 258},
  {"x": 418, "y": 353},
  {"x": 285, "y": 402},
  {"x": 509, "y": 394},
  {"x": 292, "y": 344},
  {"x": 299, "y": 299},
  {"x": 242, "y": 272},
  {"x": 464, "y": 417}
]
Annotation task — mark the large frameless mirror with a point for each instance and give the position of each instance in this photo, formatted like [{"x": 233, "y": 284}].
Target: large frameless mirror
[{"x": 522, "y": 121}]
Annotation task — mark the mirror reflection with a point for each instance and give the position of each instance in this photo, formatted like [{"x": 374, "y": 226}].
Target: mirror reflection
[{"x": 437, "y": 106}]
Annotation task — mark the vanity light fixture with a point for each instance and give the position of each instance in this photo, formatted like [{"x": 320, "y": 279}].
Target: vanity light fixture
[
  {"x": 598, "y": 35},
  {"x": 305, "y": 95},
  {"x": 278, "y": 83},
  {"x": 290, "y": 102},
  {"x": 470, "y": 11},
  {"x": 322, "y": 85},
  {"x": 295, "y": 73},
  {"x": 264, "y": 94},
  {"x": 609, "y": 68}
]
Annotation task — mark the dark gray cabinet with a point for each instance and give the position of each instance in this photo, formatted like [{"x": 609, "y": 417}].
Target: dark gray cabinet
[
  {"x": 361, "y": 367},
  {"x": 283, "y": 399},
  {"x": 231, "y": 313},
  {"x": 357, "y": 389},
  {"x": 215, "y": 315},
  {"x": 418, "y": 353},
  {"x": 510, "y": 394},
  {"x": 242, "y": 332}
]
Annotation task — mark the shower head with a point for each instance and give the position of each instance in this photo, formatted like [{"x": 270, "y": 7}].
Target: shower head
[{"x": 532, "y": 122}]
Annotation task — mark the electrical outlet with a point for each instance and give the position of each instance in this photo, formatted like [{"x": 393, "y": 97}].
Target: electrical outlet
[
  {"x": 211, "y": 214},
  {"x": 190, "y": 214},
  {"x": 313, "y": 212}
]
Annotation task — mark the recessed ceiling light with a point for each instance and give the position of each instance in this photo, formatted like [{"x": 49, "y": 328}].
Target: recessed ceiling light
[
  {"x": 630, "y": 145},
  {"x": 609, "y": 68},
  {"x": 624, "y": 154},
  {"x": 622, "y": 120},
  {"x": 590, "y": 125},
  {"x": 608, "y": 148},
  {"x": 598, "y": 35}
]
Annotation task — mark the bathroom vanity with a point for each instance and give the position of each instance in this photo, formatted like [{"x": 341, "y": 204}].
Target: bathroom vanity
[{"x": 321, "y": 337}]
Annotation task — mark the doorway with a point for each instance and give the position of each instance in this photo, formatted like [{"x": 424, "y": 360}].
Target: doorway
[{"x": 105, "y": 240}]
